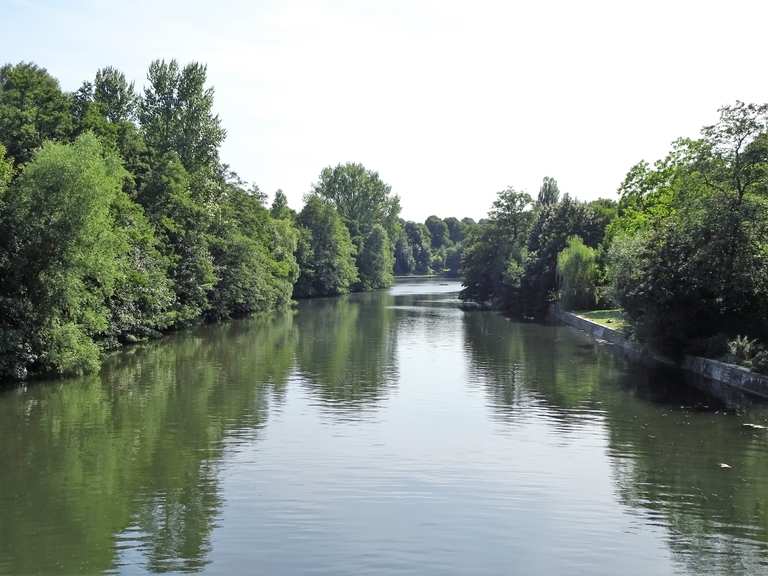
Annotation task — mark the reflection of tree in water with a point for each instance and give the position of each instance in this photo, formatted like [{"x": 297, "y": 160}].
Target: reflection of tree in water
[
  {"x": 132, "y": 455},
  {"x": 526, "y": 365},
  {"x": 665, "y": 440},
  {"x": 346, "y": 349},
  {"x": 666, "y": 463}
]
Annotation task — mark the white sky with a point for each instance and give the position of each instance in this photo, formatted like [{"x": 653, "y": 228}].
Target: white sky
[{"x": 449, "y": 101}]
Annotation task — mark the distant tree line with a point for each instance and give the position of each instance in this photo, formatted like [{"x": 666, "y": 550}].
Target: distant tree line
[
  {"x": 684, "y": 252},
  {"x": 119, "y": 221}
]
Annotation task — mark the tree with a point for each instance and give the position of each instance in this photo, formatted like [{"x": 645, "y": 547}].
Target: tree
[
  {"x": 375, "y": 263},
  {"x": 364, "y": 202},
  {"x": 577, "y": 274},
  {"x": 361, "y": 198},
  {"x": 253, "y": 257},
  {"x": 176, "y": 115},
  {"x": 549, "y": 193},
  {"x": 405, "y": 263},
  {"x": 688, "y": 256},
  {"x": 115, "y": 96},
  {"x": 63, "y": 261},
  {"x": 438, "y": 231},
  {"x": 280, "y": 208},
  {"x": 325, "y": 252},
  {"x": 181, "y": 225},
  {"x": 552, "y": 225},
  {"x": 32, "y": 109},
  {"x": 491, "y": 267},
  {"x": 421, "y": 246},
  {"x": 455, "y": 229}
]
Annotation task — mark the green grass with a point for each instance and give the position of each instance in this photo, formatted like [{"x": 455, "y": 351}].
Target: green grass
[{"x": 609, "y": 318}]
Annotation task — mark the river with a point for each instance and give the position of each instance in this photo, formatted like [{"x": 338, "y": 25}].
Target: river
[{"x": 379, "y": 433}]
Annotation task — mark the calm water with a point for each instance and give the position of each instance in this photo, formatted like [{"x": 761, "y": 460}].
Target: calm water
[{"x": 385, "y": 433}]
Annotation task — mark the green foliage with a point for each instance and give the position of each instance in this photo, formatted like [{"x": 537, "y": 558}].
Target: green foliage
[
  {"x": 453, "y": 260},
  {"x": 438, "y": 232},
  {"x": 420, "y": 242},
  {"x": 549, "y": 193},
  {"x": 375, "y": 261},
  {"x": 456, "y": 229},
  {"x": 365, "y": 204},
  {"x": 511, "y": 258},
  {"x": 176, "y": 115},
  {"x": 552, "y": 226},
  {"x": 577, "y": 273},
  {"x": 405, "y": 263},
  {"x": 280, "y": 208},
  {"x": 494, "y": 251},
  {"x": 361, "y": 198},
  {"x": 32, "y": 109},
  {"x": 325, "y": 253},
  {"x": 64, "y": 258},
  {"x": 135, "y": 228},
  {"x": 253, "y": 257},
  {"x": 689, "y": 256}
]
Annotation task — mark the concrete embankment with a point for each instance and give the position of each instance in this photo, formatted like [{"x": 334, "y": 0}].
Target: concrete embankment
[{"x": 721, "y": 373}]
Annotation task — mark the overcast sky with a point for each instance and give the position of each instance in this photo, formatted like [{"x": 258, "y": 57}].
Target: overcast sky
[{"x": 449, "y": 101}]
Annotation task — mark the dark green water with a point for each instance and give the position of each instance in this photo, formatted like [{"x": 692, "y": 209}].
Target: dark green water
[{"x": 385, "y": 433}]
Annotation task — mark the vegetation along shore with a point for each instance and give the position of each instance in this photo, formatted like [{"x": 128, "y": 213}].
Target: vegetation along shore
[{"x": 119, "y": 221}]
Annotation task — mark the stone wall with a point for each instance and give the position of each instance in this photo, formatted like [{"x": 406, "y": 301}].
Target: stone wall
[{"x": 730, "y": 375}]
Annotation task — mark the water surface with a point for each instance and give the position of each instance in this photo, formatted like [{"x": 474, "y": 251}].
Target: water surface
[{"x": 380, "y": 433}]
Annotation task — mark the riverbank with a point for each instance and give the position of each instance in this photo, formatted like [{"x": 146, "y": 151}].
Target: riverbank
[{"x": 730, "y": 375}]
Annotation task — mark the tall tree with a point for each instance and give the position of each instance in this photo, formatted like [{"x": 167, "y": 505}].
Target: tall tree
[
  {"x": 32, "y": 109},
  {"x": 115, "y": 95},
  {"x": 325, "y": 252},
  {"x": 177, "y": 115},
  {"x": 438, "y": 231},
  {"x": 361, "y": 198},
  {"x": 366, "y": 204},
  {"x": 549, "y": 193},
  {"x": 376, "y": 262}
]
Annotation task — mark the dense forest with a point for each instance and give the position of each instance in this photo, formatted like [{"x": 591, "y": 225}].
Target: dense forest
[
  {"x": 119, "y": 221},
  {"x": 683, "y": 253}
]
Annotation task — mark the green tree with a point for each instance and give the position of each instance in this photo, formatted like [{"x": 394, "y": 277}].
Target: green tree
[
  {"x": 577, "y": 274},
  {"x": 280, "y": 208},
  {"x": 361, "y": 198},
  {"x": 115, "y": 96},
  {"x": 32, "y": 109},
  {"x": 549, "y": 193},
  {"x": 421, "y": 246},
  {"x": 551, "y": 227},
  {"x": 63, "y": 260},
  {"x": 491, "y": 268},
  {"x": 365, "y": 203},
  {"x": 376, "y": 262},
  {"x": 455, "y": 229},
  {"x": 253, "y": 257},
  {"x": 325, "y": 253},
  {"x": 405, "y": 263},
  {"x": 176, "y": 115},
  {"x": 688, "y": 257},
  {"x": 181, "y": 225},
  {"x": 438, "y": 231}
]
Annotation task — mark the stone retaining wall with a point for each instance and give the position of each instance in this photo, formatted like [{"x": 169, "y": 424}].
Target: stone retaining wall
[{"x": 731, "y": 375}]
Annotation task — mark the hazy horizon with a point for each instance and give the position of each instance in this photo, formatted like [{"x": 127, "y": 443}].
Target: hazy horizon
[{"x": 448, "y": 102}]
